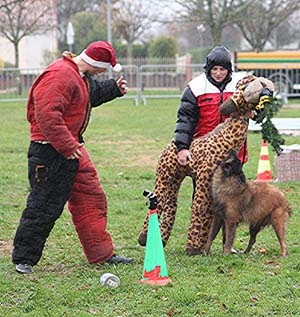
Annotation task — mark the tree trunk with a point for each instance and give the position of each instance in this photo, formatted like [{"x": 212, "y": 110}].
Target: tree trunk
[
  {"x": 18, "y": 74},
  {"x": 129, "y": 53},
  {"x": 16, "y": 46},
  {"x": 217, "y": 36}
]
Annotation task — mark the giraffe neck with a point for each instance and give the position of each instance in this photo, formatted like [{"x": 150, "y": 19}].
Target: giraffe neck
[
  {"x": 228, "y": 135},
  {"x": 233, "y": 132}
]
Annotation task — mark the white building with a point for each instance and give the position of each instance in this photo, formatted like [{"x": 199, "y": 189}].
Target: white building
[{"x": 31, "y": 49}]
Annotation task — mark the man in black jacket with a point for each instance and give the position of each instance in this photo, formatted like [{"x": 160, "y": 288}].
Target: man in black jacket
[{"x": 198, "y": 112}]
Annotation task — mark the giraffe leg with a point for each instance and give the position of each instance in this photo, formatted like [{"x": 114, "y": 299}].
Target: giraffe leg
[
  {"x": 166, "y": 190},
  {"x": 143, "y": 233},
  {"x": 200, "y": 223},
  {"x": 166, "y": 174},
  {"x": 169, "y": 208},
  {"x": 160, "y": 191}
]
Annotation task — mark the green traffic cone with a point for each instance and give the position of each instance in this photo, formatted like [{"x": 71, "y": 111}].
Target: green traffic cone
[{"x": 155, "y": 267}]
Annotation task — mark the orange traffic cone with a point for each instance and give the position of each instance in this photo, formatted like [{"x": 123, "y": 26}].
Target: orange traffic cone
[
  {"x": 264, "y": 173},
  {"x": 155, "y": 266}
]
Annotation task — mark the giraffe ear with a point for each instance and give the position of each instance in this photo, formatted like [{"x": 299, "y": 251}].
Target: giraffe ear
[{"x": 228, "y": 107}]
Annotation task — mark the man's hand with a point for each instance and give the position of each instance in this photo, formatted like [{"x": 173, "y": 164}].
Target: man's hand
[
  {"x": 76, "y": 155},
  {"x": 122, "y": 84},
  {"x": 184, "y": 157}
]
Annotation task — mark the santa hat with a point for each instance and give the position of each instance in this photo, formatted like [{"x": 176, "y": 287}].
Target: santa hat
[{"x": 101, "y": 54}]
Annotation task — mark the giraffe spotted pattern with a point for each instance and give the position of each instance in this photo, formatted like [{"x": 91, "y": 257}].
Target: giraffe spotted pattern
[{"x": 207, "y": 153}]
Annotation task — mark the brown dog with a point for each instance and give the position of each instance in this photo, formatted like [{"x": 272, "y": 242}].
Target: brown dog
[{"x": 235, "y": 200}]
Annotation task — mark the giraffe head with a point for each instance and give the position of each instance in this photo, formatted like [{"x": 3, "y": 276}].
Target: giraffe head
[{"x": 251, "y": 95}]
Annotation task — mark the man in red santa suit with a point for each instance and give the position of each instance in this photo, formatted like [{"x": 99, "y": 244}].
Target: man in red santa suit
[{"x": 60, "y": 168}]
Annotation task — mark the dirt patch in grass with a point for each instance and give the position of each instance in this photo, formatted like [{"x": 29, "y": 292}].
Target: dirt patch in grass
[
  {"x": 59, "y": 268},
  {"x": 130, "y": 153},
  {"x": 5, "y": 247},
  {"x": 134, "y": 140},
  {"x": 143, "y": 160}
]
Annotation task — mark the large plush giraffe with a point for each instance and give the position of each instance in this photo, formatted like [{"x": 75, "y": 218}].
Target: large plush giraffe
[{"x": 207, "y": 153}]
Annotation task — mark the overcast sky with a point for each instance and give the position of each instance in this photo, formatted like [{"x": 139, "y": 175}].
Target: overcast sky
[{"x": 164, "y": 8}]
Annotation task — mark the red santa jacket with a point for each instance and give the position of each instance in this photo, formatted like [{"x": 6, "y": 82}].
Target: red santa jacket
[{"x": 57, "y": 107}]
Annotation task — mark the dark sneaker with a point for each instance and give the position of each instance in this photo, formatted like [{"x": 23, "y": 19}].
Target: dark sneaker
[
  {"x": 24, "y": 268},
  {"x": 118, "y": 259}
]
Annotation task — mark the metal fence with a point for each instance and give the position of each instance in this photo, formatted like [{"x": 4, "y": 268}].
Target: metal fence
[{"x": 147, "y": 81}]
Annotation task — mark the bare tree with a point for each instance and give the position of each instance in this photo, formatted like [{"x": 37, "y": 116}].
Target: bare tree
[
  {"x": 261, "y": 18},
  {"x": 25, "y": 17},
  {"x": 215, "y": 15},
  {"x": 131, "y": 20},
  {"x": 287, "y": 33},
  {"x": 67, "y": 8},
  {"x": 7, "y": 2}
]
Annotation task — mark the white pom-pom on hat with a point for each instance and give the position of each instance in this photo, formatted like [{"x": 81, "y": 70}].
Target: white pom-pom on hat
[
  {"x": 117, "y": 67},
  {"x": 101, "y": 54}
]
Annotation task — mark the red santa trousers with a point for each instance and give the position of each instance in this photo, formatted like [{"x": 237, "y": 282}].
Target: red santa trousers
[{"x": 88, "y": 207}]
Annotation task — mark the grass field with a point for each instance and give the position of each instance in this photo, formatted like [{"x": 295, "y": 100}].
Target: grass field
[{"x": 125, "y": 142}]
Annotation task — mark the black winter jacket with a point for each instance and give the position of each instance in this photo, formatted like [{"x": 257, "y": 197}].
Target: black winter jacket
[
  {"x": 187, "y": 120},
  {"x": 102, "y": 91}
]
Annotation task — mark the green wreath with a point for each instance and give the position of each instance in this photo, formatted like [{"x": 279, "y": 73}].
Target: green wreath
[{"x": 268, "y": 130}]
